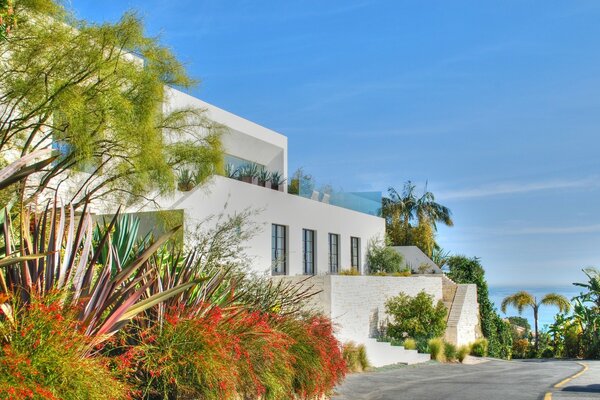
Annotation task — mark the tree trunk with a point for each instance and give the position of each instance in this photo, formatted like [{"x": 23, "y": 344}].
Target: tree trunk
[{"x": 537, "y": 334}]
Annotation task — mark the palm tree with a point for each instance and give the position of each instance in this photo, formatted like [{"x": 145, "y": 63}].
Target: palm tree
[
  {"x": 523, "y": 299},
  {"x": 402, "y": 210}
]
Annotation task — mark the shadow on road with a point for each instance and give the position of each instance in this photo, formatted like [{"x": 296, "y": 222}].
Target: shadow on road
[{"x": 583, "y": 389}]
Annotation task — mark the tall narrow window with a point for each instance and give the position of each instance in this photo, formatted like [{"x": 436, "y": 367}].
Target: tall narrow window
[
  {"x": 334, "y": 253},
  {"x": 355, "y": 253},
  {"x": 278, "y": 249},
  {"x": 308, "y": 251}
]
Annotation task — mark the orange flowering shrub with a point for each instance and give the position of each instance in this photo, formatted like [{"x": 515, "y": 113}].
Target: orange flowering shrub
[
  {"x": 231, "y": 354},
  {"x": 43, "y": 356}
]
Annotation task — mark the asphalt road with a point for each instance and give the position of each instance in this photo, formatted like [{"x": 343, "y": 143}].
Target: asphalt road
[{"x": 493, "y": 380}]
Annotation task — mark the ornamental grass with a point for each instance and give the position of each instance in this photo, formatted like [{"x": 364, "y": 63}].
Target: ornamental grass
[{"x": 44, "y": 355}]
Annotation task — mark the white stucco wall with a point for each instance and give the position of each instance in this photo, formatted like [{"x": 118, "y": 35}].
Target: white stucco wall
[
  {"x": 229, "y": 196},
  {"x": 242, "y": 138},
  {"x": 357, "y": 303}
]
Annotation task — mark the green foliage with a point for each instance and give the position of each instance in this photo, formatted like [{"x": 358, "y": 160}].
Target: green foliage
[
  {"x": 8, "y": 18},
  {"x": 381, "y": 258},
  {"x": 480, "y": 348},
  {"x": 349, "y": 272},
  {"x": 463, "y": 352},
  {"x": 410, "y": 344},
  {"x": 449, "y": 351},
  {"x": 355, "y": 357},
  {"x": 300, "y": 182},
  {"x": 520, "y": 322},
  {"x": 77, "y": 84},
  {"x": 42, "y": 356},
  {"x": 522, "y": 299},
  {"x": 416, "y": 317},
  {"x": 412, "y": 220},
  {"x": 499, "y": 334},
  {"x": 436, "y": 349},
  {"x": 520, "y": 348},
  {"x": 586, "y": 315}
]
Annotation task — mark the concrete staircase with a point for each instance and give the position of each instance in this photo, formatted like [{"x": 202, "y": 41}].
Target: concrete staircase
[
  {"x": 448, "y": 292},
  {"x": 383, "y": 353},
  {"x": 455, "y": 313}
]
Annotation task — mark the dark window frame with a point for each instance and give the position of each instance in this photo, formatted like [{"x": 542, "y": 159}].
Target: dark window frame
[
  {"x": 334, "y": 253},
  {"x": 279, "y": 249},
  {"x": 355, "y": 252},
  {"x": 308, "y": 251}
]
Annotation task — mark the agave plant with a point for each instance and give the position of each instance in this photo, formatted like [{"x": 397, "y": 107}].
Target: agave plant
[
  {"x": 231, "y": 171},
  {"x": 263, "y": 176},
  {"x": 185, "y": 180},
  {"x": 58, "y": 256},
  {"x": 249, "y": 172},
  {"x": 276, "y": 180}
]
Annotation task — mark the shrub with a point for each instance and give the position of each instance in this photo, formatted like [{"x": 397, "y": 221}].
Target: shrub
[
  {"x": 363, "y": 358},
  {"x": 410, "y": 344},
  {"x": 494, "y": 328},
  {"x": 44, "y": 356},
  {"x": 436, "y": 349},
  {"x": 520, "y": 348},
  {"x": 415, "y": 317},
  {"x": 349, "y": 272},
  {"x": 382, "y": 258},
  {"x": 463, "y": 352},
  {"x": 355, "y": 357},
  {"x": 187, "y": 357},
  {"x": 318, "y": 362},
  {"x": 547, "y": 353},
  {"x": 449, "y": 351},
  {"x": 479, "y": 348}
]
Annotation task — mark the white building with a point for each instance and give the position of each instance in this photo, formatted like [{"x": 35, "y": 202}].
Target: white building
[
  {"x": 298, "y": 235},
  {"x": 318, "y": 234}
]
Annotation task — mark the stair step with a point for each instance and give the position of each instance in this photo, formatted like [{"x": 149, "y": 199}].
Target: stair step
[{"x": 383, "y": 353}]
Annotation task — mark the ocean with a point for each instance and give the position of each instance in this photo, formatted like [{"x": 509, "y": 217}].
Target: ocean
[{"x": 546, "y": 313}]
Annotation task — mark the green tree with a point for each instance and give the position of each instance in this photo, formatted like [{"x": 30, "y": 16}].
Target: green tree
[
  {"x": 96, "y": 93},
  {"x": 586, "y": 313},
  {"x": 498, "y": 332},
  {"x": 381, "y": 258},
  {"x": 418, "y": 317},
  {"x": 523, "y": 299},
  {"x": 7, "y": 18},
  {"x": 412, "y": 220}
]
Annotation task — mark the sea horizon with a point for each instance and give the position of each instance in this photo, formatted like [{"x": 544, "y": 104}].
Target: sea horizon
[{"x": 546, "y": 313}]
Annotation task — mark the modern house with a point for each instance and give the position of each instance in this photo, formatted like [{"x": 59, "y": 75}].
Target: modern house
[
  {"x": 297, "y": 235},
  {"x": 314, "y": 233}
]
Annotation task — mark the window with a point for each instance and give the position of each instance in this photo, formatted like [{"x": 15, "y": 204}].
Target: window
[
  {"x": 355, "y": 253},
  {"x": 279, "y": 249},
  {"x": 334, "y": 253},
  {"x": 308, "y": 251}
]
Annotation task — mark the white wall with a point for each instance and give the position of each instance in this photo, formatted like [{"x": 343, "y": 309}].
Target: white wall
[
  {"x": 463, "y": 322},
  {"x": 244, "y": 139},
  {"x": 353, "y": 301},
  {"x": 275, "y": 207},
  {"x": 358, "y": 302}
]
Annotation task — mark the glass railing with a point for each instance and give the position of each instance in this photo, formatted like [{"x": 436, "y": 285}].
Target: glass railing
[{"x": 364, "y": 202}]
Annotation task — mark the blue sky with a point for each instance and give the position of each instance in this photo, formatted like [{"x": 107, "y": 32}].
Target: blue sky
[{"x": 496, "y": 104}]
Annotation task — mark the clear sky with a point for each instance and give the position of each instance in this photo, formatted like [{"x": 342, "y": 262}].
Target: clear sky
[{"x": 495, "y": 103}]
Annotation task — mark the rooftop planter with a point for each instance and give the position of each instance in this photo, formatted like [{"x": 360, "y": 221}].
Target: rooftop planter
[
  {"x": 277, "y": 181},
  {"x": 249, "y": 173},
  {"x": 264, "y": 177}
]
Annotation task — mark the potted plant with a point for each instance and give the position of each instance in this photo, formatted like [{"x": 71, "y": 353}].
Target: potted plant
[
  {"x": 249, "y": 173},
  {"x": 264, "y": 176},
  {"x": 276, "y": 181},
  {"x": 185, "y": 180},
  {"x": 231, "y": 171}
]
